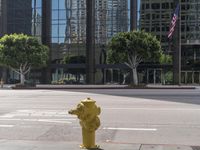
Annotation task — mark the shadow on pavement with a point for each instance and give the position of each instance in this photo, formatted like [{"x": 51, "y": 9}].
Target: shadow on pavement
[{"x": 191, "y": 96}]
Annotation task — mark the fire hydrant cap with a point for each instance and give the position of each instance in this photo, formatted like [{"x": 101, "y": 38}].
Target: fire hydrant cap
[{"x": 88, "y": 100}]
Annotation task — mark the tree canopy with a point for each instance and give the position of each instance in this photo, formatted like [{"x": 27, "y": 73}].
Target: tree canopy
[
  {"x": 21, "y": 52},
  {"x": 80, "y": 59},
  {"x": 144, "y": 46},
  {"x": 132, "y": 48},
  {"x": 18, "y": 49}
]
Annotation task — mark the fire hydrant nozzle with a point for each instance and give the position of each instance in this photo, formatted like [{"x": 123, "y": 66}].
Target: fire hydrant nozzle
[{"x": 87, "y": 111}]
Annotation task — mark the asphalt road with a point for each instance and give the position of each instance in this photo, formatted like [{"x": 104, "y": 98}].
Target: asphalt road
[{"x": 128, "y": 116}]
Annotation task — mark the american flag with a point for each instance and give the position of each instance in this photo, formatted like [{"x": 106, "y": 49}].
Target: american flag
[{"x": 173, "y": 22}]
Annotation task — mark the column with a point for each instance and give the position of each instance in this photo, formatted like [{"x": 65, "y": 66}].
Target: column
[
  {"x": 90, "y": 42},
  {"x": 46, "y": 36},
  {"x": 133, "y": 14}
]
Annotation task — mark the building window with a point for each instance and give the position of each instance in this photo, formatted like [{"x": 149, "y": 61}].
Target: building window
[{"x": 155, "y": 5}]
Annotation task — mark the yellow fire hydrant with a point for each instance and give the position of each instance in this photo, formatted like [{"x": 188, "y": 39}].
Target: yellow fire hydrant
[
  {"x": 1, "y": 82},
  {"x": 87, "y": 111}
]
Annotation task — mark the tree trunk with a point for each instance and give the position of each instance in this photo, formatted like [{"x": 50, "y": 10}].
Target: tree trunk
[
  {"x": 22, "y": 78},
  {"x": 135, "y": 77},
  {"x": 124, "y": 78}
]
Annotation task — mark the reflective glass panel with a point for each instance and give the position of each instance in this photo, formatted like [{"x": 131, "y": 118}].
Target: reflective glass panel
[
  {"x": 38, "y": 3},
  {"x": 54, "y": 4},
  {"x": 62, "y": 4},
  {"x": 54, "y": 30}
]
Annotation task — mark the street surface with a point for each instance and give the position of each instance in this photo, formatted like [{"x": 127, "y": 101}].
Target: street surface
[{"x": 128, "y": 116}]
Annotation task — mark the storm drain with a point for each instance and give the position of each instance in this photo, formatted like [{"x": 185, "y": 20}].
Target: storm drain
[{"x": 195, "y": 147}]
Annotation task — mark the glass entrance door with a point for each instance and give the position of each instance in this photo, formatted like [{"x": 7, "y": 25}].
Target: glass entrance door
[
  {"x": 190, "y": 77},
  {"x": 154, "y": 76}
]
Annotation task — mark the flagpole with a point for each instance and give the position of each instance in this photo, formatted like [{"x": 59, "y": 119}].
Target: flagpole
[
  {"x": 177, "y": 48},
  {"x": 180, "y": 44}
]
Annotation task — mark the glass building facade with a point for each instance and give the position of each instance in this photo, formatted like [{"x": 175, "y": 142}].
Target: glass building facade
[
  {"x": 62, "y": 25},
  {"x": 113, "y": 17},
  {"x": 68, "y": 24},
  {"x": 22, "y": 16},
  {"x": 1, "y": 19},
  {"x": 155, "y": 17},
  {"x": 190, "y": 21},
  {"x": 68, "y": 28},
  {"x": 2, "y": 25}
]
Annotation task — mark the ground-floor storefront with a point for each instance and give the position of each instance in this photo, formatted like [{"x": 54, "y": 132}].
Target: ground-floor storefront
[
  {"x": 106, "y": 75},
  {"x": 146, "y": 75}
]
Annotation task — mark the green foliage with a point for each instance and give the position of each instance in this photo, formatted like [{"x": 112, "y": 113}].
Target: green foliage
[
  {"x": 18, "y": 49},
  {"x": 166, "y": 59},
  {"x": 133, "y": 43},
  {"x": 75, "y": 60},
  {"x": 65, "y": 59},
  {"x": 168, "y": 76}
]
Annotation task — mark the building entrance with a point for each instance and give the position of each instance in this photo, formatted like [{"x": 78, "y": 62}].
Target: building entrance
[
  {"x": 190, "y": 77},
  {"x": 154, "y": 76}
]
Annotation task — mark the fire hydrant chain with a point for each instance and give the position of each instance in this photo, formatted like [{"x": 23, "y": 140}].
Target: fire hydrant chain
[{"x": 87, "y": 111}]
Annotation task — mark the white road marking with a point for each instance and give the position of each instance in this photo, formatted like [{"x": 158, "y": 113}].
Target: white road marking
[
  {"x": 6, "y": 126},
  {"x": 38, "y": 113},
  {"x": 41, "y": 120},
  {"x": 155, "y": 109},
  {"x": 7, "y": 116},
  {"x": 48, "y": 121},
  {"x": 130, "y": 129},
  {"x": 48, "y": 116},
  {"x": 11, "y": 119}
]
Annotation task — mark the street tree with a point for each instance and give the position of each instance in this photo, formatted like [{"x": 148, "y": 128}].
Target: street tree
[
  {"x": 166, "y": 59},
  {"x": 80, "y": 59},
  {"x": 133, "y": 48},
  {"x": 21, "y": 52}
]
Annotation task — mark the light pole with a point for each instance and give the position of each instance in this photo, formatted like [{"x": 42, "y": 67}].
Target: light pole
[{"x": 177, "y": 48}]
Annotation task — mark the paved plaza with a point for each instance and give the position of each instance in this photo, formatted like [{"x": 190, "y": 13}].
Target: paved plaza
[{"x": 165, "y": 119}]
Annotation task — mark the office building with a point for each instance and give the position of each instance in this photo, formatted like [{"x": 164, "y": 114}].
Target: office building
[
  {"x": 62, "y": 25},
  {"x": 19, "y": 16},
  {"x": 155, "y": 17}
]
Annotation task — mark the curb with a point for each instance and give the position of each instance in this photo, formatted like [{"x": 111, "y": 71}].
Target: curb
[
  {"x": 90, "y": 88},
  {"x": 47, "y": 145}
]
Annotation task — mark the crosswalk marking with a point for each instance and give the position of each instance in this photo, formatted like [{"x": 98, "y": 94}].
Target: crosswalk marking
[
  {"x": 46, "y": 116},
  {"x": 131, "y": 129},
  {"x": 37, "y": 113},
  {"x": 6, "y": 126}
]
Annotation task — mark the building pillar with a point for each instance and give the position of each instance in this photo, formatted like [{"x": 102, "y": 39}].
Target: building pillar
[
  {"x": 133, "y": 15},
  {"x": 90, "y": 42},
  {"x": 46, "y": 36},
  {"x": 3, "y": 31},
  {"x": 111, "y": 75},
  {"x": 3, "y": 18}
]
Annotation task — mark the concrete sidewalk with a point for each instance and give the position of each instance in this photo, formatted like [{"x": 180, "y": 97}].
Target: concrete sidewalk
[
  {"x": 109, "y": 86},
  {"x": 46, "y": 145}
]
